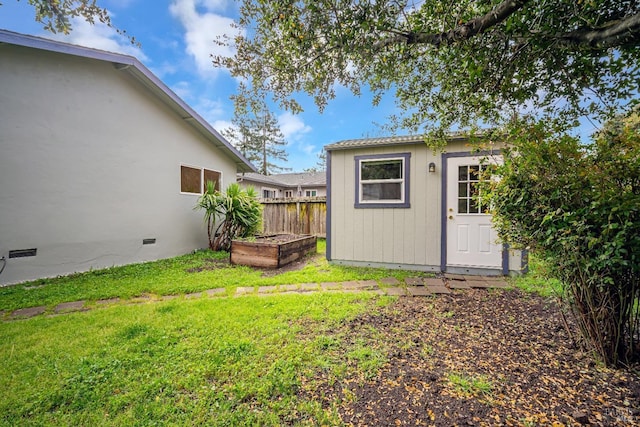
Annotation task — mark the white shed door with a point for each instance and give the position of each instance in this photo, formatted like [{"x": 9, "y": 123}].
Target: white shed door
[{"x": 471, "y": 239}]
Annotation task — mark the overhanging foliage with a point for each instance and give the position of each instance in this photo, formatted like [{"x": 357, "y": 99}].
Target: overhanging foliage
[{"x": 450, "y": 63}]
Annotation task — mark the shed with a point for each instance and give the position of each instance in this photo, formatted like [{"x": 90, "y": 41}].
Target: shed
[
  {"x": 394, "y": 202},
  {"x": 101, "y": 164}
]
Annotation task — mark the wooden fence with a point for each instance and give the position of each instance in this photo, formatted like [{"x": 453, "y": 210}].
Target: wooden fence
[{"x": 307, "y": 215}]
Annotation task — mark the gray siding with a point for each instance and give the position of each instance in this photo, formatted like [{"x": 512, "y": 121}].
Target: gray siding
[
  {"x": 90, "y": 166},
  {"x": 405, "y": 237}
]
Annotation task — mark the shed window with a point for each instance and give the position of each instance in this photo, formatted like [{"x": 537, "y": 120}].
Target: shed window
[{"x": 382, "y": 181}]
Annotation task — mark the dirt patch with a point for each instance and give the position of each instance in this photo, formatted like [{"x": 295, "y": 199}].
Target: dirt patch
[
  {"x": 210, "y": 264},
  {"x": 293, "y": 266},
  {"x": 278, "y": 238},
  {"x": 477, "y": 358}
]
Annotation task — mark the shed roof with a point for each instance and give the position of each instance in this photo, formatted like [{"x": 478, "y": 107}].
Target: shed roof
[
  {"x": 131, "y": 65},
  {"x": 387, "y": 141}
]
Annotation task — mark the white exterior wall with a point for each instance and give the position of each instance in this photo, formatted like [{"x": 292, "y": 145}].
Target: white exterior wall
[
  {"x": 393, "y": 237},
  {"x": 90, "y": 166}
]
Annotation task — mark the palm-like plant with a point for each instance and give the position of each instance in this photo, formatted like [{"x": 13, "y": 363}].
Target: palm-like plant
[{"x": 234, "y": 213}]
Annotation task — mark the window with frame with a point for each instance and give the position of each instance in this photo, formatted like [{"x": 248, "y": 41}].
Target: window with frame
[
  {"x": 269, "y": 193},
  {"x": 382, "y": 181},
  {"x": 288, "y": 193},
  {"x": 469, "y": 178},
  {"x": 192, "y": 179},
  {"x": 311, "y": 193}
]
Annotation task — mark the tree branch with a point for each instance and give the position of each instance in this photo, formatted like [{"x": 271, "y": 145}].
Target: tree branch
[
  {"x": 615, "y": 33},
  {"x": 618, "y": 33},
  {"x": 461, "y": 32}
]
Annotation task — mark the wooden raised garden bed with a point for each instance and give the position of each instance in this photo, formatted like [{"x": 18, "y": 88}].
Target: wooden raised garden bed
[{"x": 272, "y": 251}]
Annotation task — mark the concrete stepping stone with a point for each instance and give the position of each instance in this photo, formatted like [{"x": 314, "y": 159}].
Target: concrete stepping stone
[
  {"x": 352, "y": 285},
  {"x": 28, "y": 312},
  {"x": 457, "y": 284},
  {"x": 395, "y": 291},
  {"x": 439, "y": 289},
  {"x": 67, "y": 307},
  {"x": 245, "y": 290},
  {"x": 450, "y": 276},
  {"x": 476, "y": 283},
  {"x": 432, "y": 281},
  {"x": 390, "y": 281},
  {"x": 419, "y": 291},
  {"x": 140, "y": 299},
  {"x": 308, "y": 287},
  {"x": 360, "y": 285},
  {"x": 288, "y": 288},
  {"x": 108, "y": 301},
  {"x": 267, "y": 289},
  {"x": 368, "y": 284},
  {"x": 414, "y": 281},
  {"x": 169, "y": 297},
  {"x": 330, "y": 286},
  {"x": 216, "y": 292},
  {"x": 193, "y": 295}
]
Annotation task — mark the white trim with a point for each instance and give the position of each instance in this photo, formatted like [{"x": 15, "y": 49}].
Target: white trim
[{"x": 401, "y": 181}]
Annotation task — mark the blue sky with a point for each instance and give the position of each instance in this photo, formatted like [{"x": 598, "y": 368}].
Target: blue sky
[{"x": 176, "y": 38}]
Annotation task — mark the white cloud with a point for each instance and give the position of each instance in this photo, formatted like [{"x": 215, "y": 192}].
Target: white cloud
[
  {"x": 221, "y": 125},
  {"x": 182, "y": 89},
  {"x": 213, "y": 5},
  {"x": 211, "y": 110},
  {"x": 99, "y": 36},
  {"x": 292, "y": 127},
  {"x": 202, "y": 29}
]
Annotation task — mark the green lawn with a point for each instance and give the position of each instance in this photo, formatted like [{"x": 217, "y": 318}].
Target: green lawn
[
  {"x": 208, "y": 361},
  {"x": 203, "y": 361},
  {"x": 184, "y": 274}
]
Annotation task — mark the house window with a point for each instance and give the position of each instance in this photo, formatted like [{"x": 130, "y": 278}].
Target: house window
[
  {"x": 382, "y": 181},
  {"x": 192, "y": 180},
  {"x": 469, "y": 176},
  {"x": 288, "y": 193},
  {"x": 212, "y": 176},
  {"x": 269, "y": 193},
  {"x": 311, "y": 193}
]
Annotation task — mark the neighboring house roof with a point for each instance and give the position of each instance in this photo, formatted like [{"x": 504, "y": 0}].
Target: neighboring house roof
[
  {"x": 153, "y": 84},
  {"x": 293, "y": 180},
  {"x": 388, "y": 141}
]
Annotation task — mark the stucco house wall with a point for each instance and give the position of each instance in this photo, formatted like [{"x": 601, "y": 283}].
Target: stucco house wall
[{"x": 91, "y": 149}]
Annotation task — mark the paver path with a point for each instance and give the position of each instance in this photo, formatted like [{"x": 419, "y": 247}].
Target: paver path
[{"x": 412, "y": 286}]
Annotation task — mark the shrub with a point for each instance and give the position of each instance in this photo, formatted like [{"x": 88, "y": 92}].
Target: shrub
[
  {"x": 578, "y": 206},
  {"x": 234, "y": 213}
]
